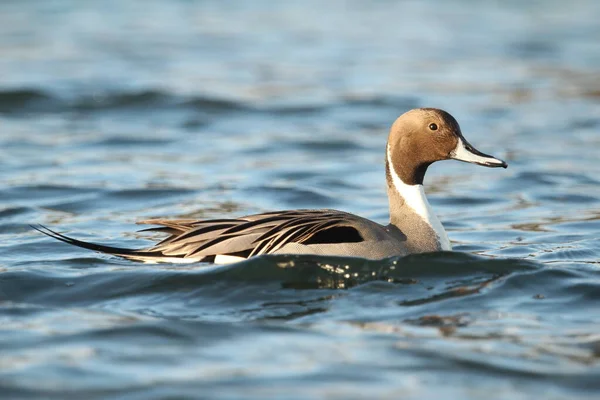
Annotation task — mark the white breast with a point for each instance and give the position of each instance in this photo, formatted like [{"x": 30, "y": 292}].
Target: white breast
[{"x": 415, "y": 198}]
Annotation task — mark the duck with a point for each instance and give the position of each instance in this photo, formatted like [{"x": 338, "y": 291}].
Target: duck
[{"x": 417, "y": 139}]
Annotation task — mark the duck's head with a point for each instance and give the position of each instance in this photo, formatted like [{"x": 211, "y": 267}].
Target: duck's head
[{"x": 423, "y": 136}]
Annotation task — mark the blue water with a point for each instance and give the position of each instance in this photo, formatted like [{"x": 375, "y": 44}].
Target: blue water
[{"x": 112, "y": 112}]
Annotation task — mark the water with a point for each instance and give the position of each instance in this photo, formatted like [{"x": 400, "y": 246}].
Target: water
[{"x": 111, "y": 112}]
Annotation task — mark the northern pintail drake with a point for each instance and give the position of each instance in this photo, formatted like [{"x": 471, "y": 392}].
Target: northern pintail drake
[{"x": 417, "y": 139}]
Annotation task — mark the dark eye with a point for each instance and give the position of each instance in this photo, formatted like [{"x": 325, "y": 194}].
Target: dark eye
[{"x": 433, "y": 127}]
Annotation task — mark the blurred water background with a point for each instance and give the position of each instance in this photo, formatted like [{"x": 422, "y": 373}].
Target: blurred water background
[{"x": 115, "y": 111}]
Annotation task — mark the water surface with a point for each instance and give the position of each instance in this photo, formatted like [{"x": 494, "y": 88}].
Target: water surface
[{"x": 112, "y": 112}]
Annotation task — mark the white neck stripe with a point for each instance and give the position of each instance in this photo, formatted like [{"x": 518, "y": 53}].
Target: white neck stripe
[{"x": 414, "y": 196}]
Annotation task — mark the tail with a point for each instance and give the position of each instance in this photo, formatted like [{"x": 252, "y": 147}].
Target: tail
[{"x": 132, "y": 254}]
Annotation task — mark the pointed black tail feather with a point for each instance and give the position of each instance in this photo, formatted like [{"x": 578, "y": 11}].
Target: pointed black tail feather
[{"x": 116, "y": 251}]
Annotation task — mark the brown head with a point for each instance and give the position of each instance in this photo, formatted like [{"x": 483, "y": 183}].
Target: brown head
[{"x": 423, "y": 136}]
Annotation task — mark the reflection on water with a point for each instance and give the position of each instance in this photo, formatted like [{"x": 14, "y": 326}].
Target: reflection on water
[{"x": 115, "y": 112}]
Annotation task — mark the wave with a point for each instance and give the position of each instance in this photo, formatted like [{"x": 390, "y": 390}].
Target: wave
[
  {"x": 299, "y": 272},
  {"x": 18, "y": 100},
  {"x": 36, "y": 100}
]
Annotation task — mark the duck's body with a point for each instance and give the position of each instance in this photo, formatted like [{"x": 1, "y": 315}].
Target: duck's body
[{"x": 417, "y": 139}]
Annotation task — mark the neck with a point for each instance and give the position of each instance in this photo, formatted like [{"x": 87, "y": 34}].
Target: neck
[{"x": 411, "y": 213}]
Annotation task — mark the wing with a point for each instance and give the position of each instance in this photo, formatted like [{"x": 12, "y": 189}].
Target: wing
[
  {"x": 254, "y": 234},
  {"x": 203, "y": 240}
]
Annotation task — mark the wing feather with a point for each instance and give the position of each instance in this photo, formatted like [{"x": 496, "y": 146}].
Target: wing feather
[{"x": 250, "y": 235}]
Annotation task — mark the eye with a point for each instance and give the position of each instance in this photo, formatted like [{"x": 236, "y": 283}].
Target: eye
[{"x": 433, "y": 127}]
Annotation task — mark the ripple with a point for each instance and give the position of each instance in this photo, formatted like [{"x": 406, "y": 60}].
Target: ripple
[
  {"x": 145, "y": 99},
  {"x": 10, "y": 212},
  {"x": 208, "y": 104},
  {"x": 568, "y": 198},
  {"x": 327, "y": 145},
  {"x": 150, "y": 193},
  {"x": 396, "y": 102},
  {"x": 542, "y": 178},
  {"x": 534, "y": 49},
  {"x": 23, "y": 99},
  {"x": 120, "y": 141},
  {"x": 120, "y": 200},
  {"x": 466, "y": 201},
  {"x": 294, "y": 197},
  {"x": 41, "y": 195}
]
